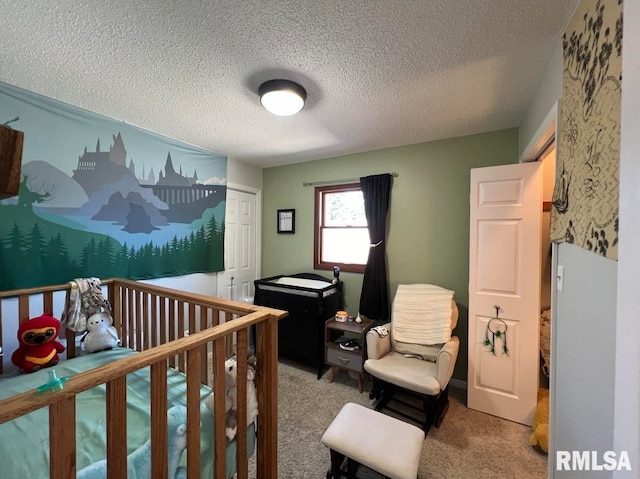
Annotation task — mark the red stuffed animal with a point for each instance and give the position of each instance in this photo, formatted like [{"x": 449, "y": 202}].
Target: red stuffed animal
[{"x": 38, "y": 346}]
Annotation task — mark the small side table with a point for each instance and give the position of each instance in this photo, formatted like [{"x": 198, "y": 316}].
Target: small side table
[{"x": 338, "y": 358}]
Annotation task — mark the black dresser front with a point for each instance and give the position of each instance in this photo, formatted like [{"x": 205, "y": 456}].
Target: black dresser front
[{"x": 301, "y": 333}]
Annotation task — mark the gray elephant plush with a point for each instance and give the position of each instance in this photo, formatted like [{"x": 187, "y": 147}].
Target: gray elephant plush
[{"x": 139, "y": 461}]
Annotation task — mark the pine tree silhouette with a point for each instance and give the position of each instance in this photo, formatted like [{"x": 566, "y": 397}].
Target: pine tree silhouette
[
  {"x": 88, "y": 259},
  {"x": 56, "y": 259},
  {"x": 34, "y": 255},
  {"x": 15, "y": 255},
  {"x": 3, "y": 278}
]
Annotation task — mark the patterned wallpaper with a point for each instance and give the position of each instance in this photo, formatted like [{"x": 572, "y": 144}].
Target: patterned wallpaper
[{"x": 585, "y": 198}]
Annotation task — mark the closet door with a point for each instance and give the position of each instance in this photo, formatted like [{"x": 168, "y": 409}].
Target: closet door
[
  {"x": 504, "y": 271},
  {"x": 240, "y": 246}
]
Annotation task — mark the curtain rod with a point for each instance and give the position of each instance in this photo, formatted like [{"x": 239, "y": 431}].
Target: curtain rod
[{"x": 343, "y": 180}]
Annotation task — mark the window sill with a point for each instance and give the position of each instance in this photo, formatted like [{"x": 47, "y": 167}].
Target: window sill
[{"x": 344, "y": 268}]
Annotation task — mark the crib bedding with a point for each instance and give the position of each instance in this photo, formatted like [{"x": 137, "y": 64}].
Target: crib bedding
[{"x": 24, "y": 450}]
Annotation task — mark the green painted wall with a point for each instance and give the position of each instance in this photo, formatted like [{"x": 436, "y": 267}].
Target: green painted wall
[{"x": 428, "y": 238}]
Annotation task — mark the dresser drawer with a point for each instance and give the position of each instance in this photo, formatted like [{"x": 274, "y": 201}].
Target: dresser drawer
[{"x": 345, "y": 359}]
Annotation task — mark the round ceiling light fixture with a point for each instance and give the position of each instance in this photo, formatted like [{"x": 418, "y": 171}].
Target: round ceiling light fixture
[{"x": 282, "y": 97}]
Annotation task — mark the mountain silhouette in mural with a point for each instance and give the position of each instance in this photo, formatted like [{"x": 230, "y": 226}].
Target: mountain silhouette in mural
[
  {"x": 174, "y": 198},
  {"x": 125, "y": 186},
  {"x": 138, "y": 221},
  {"x": 118, "y": 208}
]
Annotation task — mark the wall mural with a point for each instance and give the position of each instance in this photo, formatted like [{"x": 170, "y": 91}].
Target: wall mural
[
  {"x": 101, "y": 198},
  {"x": 586, "y": 193}
]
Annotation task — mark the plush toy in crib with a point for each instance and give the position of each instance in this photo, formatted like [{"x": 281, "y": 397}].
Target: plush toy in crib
[
  {"x": 231, "y": 416},
  {"x": 100, "y": 334},
  {"x": 139, "y": 461},
  {"x": 38, "y": 347}
]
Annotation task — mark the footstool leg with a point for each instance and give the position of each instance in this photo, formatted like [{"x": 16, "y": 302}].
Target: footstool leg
[
  {"x": 336, "y": 461},
  {"x": 352, "y": 467}
]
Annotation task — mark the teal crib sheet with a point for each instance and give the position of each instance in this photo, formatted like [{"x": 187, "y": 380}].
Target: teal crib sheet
[{"x": 24, "y": 442}]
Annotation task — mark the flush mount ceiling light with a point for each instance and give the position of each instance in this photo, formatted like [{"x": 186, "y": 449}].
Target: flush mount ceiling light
[{"x": 282, "y": 97}]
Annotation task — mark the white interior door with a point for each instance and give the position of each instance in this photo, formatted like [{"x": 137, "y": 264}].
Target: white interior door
[
  {"x": 240, "y": 246},
  {"x": 504, "y": 270}
]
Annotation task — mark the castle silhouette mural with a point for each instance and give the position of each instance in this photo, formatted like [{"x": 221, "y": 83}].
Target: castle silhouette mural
[{"x": 126, "y": 210}]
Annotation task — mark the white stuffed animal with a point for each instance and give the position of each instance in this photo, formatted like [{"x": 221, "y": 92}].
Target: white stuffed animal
[
  {"x": 231, "y": 374},
  {"x": 101, "y": 334}
]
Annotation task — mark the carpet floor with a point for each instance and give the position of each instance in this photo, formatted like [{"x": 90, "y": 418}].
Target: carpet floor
[{"x": 468, "y": 444}]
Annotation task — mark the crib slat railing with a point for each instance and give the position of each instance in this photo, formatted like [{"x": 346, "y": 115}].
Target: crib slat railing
[
  {"x": 1, "y": 340},
  {"x": 23, "y": 309},
  {"x": 111, "y": 295},
  {"x": 159, "y": 434},
  {"x": 181, "y": 358},
  {"x": 140, "y": 330},
  {"x": 131, "y": 311},
  {"x": 121, "y": 294},
  {"x": 267, "y": 391},
  {"x": 221, "y": 304},
  {"x": 229, "y": 339},
  {"x": 204, "y": 349},
  {"x": 62, "y": 438},
  {"x": 241, "y": 434},
  {"x": 47, "y": 302},
  {"x": 266, "y": 386},
  {"x": 26, "y": 402},
  {"x": 146, "y": 320},
  {"x": 219, "y": 456},
  {"x": 172, "y": 328},
  {"x": 71, "y": 344},
  {"x": 117, "y": 427},
  {"x": 193, "y": 414},
  {"x": 117, "y": 311},
  {"x": 162, "y": 321}
]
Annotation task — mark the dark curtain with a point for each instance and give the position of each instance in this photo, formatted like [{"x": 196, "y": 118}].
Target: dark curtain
[{"x": 374, "y": 301}]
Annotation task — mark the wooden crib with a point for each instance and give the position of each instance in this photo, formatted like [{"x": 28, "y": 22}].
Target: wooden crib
[{"x": 168, "y": 328}]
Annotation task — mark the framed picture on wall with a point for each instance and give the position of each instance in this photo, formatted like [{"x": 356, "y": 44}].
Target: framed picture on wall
[{"x": 287, "y": 221}]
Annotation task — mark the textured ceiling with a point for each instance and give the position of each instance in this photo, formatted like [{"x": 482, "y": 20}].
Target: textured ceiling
[{"x": 378, "y": 73}]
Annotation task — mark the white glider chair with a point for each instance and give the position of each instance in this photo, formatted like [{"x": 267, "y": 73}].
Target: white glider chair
[{"x": 415, "y": 352}]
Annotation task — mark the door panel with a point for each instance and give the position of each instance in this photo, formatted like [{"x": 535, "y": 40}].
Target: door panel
[
  {"x": 236, "y": 282},
  {"x": 497, "y": 270},
  {"x": 504, "y": 270}
]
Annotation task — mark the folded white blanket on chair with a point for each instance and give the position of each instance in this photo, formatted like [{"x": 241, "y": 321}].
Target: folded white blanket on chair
[{"x": 421, "y": 314}]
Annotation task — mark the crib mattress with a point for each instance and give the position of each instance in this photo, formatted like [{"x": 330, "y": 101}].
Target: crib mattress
[{"x": 30, "y": 432}]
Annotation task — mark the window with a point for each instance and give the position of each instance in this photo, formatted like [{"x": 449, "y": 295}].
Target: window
[{"x": 341, "y": 234}]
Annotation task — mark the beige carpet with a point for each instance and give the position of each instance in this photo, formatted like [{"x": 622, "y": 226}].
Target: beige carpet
[{"x": 468, "y": 444}]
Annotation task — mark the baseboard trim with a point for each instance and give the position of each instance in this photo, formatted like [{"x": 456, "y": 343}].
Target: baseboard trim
[{"x": 458, "y": 383}]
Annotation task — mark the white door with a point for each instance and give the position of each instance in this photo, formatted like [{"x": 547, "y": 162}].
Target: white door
[
  {"x": 240, "y": 246},
  {"x": 504, "y": 270}
]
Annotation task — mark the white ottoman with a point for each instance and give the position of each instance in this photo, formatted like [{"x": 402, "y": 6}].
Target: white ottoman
[{"x": 382, "y": 443}]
